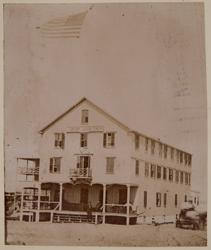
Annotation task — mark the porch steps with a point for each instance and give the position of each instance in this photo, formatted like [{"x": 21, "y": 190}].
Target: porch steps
[{"x": 73, "y": 218}]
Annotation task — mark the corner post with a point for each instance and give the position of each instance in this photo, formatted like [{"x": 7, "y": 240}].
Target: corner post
[
  {"x": 60, "y": 197},
  {"x": 104, "y": 201},
  {"x": 128, "y": 205}
]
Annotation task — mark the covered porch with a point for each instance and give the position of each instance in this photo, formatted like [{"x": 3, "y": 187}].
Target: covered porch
[{"x": 95, "y": 203}]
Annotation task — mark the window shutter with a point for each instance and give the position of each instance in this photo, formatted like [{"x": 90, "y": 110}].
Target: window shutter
[
  {"x": 112, "y": 139},
  {"x": 104, "y": 140},
  {"x": 51, "y": 165}
]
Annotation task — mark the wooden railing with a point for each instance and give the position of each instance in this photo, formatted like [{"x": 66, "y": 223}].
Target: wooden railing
[
  {"x": 118, "y": 208},
  {"x": 80, "y": 173},
  {"x": 28, "y": 170},
  {"x": 44, "y": 205}
]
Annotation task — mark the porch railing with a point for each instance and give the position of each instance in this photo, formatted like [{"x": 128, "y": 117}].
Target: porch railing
[
  {"x": 80, "y": 173},
  {"x": 28, "y": 170},
  {"x": 44, "y": 205},
  {"x": 119, "y": 208}
]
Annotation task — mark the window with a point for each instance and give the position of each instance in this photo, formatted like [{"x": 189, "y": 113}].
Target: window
[
  {"x": 172, "y": 153},
  {"x": 170, "y": 174},
  {"x": 185, "y": 199},
  {"x": 84, "y": 116},
  {"x": 153, "y": 171},
  {"x": 152, "y": 147},
  {"x": 83, "y": 162},
  {"x": 178, "y": 155},
  {"x": 160, "y": 149},
  {"x": 186, "y": 178},
  {"x": 177, "y": 176},
  {"x": 146, "y": 169},
  {"x": 109, "y": 139},
  {"x": 137, "y": 167},
  {"x": 110, "y": 165},
  {"x": 136, "y": 141},
  {"x": 83, "y": 142},
  {"x": 181, "y": 157},
  {"x": 158, "y": 172},
  {"x": 181, "y": 177},
  {"x": 158, "y": 199},
  {"x": 55, "y": 164},
  {"x": 189, "y": 160},
  {"x": 165, "y": 151},
  {"x": 146, "y": 144},
  {"x": 59, "y": 140},
  {"x": 164, "y": 173},
  {"x": 175, "y": 200},
  {"x": 145, "y": 199},
  {"x": 165, "y": 199},
  {"x": 189, "y": 179}
]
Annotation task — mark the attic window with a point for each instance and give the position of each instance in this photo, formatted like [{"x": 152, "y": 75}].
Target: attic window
[
  {"x": 59, "y": 140},
  {"x": 84, "y": 116}
]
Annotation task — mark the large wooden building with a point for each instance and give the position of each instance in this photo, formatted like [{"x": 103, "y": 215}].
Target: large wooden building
[{"x": 93, "y": 167}]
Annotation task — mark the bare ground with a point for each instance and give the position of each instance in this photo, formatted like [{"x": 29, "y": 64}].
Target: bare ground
[{"x": 25, "y": 233}]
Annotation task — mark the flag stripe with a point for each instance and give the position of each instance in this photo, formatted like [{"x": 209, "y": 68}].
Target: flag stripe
[{"x": 68, "y": 26}]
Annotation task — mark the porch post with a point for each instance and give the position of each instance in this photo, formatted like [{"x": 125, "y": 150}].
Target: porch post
[
  {"x": 128, "y": 205},
  {"x": 104, "y": 201},
  {"x": 21, "y": 208},
  {"x": 60, "y": 197},
  {"x": 38, "y": 203}
]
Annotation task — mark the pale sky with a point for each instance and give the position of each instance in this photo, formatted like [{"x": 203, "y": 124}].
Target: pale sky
[{"x": 143, "y": 63}]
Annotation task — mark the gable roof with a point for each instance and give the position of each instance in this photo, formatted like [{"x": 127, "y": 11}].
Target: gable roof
[
  {"x": 84, "y": 99},
  {"x": 126, "y": 128}
]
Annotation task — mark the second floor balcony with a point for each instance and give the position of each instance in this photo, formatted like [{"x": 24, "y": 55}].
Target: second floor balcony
[{"x": 80, "y": 174}]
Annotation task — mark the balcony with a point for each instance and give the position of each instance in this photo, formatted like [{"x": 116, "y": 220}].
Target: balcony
[
  {"x": 80, "y": 174},
  {"x": 28, "y": 170}
]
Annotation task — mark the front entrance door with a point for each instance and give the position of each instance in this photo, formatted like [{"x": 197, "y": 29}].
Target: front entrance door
[
  {"x": 84, "y": 196},
  {"x": 122, "y": 196}
]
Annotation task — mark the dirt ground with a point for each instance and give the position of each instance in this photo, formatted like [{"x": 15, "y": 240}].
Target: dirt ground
[{"x": 25, "y": 233}]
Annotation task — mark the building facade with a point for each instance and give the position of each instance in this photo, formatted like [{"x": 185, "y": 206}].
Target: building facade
[{"x": 89, "y": 159}]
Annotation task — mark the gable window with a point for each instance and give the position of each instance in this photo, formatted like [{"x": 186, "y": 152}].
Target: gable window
[
  {"x": 55, "y": 165},
  {"x": 108, "y": 139},
  {"x": 110, "y": 165},
  {"x": 158, "y": 172},
  {"x": 59, "y": 140},
  {"x": 84, "y": 116},
  {"x": 164, "y": 173},
  {"x": 146, "y": 169},
  {"x": 153, "y": 170},
  {"x": 158, "y": 199},
  {"x": 170, "y": 174},
  {"x": 137, "y": 167},
  {"x": 83, "y": 141},
  {"x": 136, "y": 141},
  {"x": 152, "y": 147},
  {"x": 83, "y": 162}
]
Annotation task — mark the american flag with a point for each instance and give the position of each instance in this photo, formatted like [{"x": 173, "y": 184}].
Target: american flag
[{"x": 64, "y": 27}]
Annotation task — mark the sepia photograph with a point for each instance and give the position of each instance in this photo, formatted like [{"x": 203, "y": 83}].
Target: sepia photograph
[{"x": 105, "y": 124}]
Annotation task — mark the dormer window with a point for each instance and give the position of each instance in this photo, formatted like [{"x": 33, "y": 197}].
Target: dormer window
[
  {"x": 84, "y": 116},
  {"x": 59, "y": 140}
]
